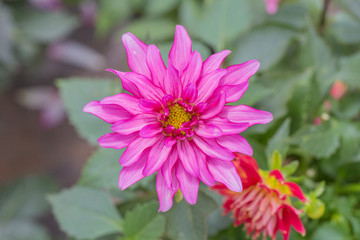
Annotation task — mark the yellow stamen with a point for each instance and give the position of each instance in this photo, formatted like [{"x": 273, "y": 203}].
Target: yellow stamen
[
  {"x": 273, "y": 183},
  {"x": 177, "y": 116}
]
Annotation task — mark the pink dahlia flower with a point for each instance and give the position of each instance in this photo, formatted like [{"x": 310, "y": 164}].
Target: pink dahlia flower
[
  {"x": 272, "y": 6},
  {"x": 175, "y": 120},
  {"x": 264, "y": 206}
]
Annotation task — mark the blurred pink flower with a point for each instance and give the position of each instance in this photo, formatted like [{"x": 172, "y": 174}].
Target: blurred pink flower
[
  {"x": 47, "y": 101},
  {"x": 88, "y": 11},
  {"x": 272, "y": 6},
  {"x": 176, "y": 122},
  {"x": 76, "y": 54},
  {"x": 338, "y": 89},
  {"x": 46, "y": 5},
  {"x": 317, "y": 121}
]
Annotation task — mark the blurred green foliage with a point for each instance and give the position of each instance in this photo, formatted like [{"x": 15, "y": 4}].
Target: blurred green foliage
[{"x": 301, "y": 57}]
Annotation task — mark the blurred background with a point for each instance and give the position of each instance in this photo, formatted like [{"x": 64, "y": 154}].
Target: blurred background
[{"x": 309, "y": 78}]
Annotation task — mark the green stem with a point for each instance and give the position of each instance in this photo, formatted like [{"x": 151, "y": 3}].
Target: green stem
[{"x": 322, "y": 21}]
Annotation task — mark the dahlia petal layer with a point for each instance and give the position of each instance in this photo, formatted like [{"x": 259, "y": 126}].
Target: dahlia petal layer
[{"x": 175, "y": 121}]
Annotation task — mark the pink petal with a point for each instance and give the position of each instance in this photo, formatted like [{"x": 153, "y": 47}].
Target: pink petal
[
  {"x": 134, "y": 124},
  {"x": 296, "y": 191},
  {"x": 235, "y": 143},
  {"x": 211, "y": 148},
  {"x": 204, "y": 173},
  {"x": 278, "y": 175},
  {"x": 145, "y": 87},
  {"x": 136, "y": 148},
  {"x": 172, "y": 83},
  {"x": 133, "y": 173},
  {"x": 156, "y": 65},
  {"x": 165, "y": 193},
  {"x": 168, "y": 169},
  {"x": 233, "y": 92},
  {"x": 127, "y": 85},
  {"x": 107, "y": 112},
  {"x": 157, "y": 156},
  {"x": 189, "y": 185},
  {"x": 149, "y": 106},
  {"x": 188, "y": 158},
  {"x": 214, "y": 108},
  {"x": 245, "y": 114},
  {"x": 181, "y": 49},
  {"x": 208, "y": 84},
  {"x": 190, "y": 93},
  {"x": 225, "y": 172},
  {"x": 291, "y": 218},
  {"x": 136, "y": 53},
  {"x": 115, "y": 140},
  {"x": 151, "y": 130},
  {"x": 227, "y": 128},
  {"x": 207, "y": 130},
  {"x": 192, "y": 72},
  {"x": 240, "y": 73},
  {"x": 128, "y": 102},
  {"x": 214, "y": 62}
]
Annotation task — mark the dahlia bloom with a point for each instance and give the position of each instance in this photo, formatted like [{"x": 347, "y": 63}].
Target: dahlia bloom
[
  {"x": 272, "y": 6},
  {"x": 264, "y": 205},
  {"x": 175, "y": 121}
]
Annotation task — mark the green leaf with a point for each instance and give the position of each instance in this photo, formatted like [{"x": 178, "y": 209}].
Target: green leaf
[
  {"x": 188, "y": 222},
  {"x": 47, "y": 27},
  {"x": 85, "y": 213},
  {"x": 350, "y": 141},
  {"x": 102, "y": 169},
  {"x": 281, "y": 85},
  {"x": 346, "y": 29},
  {"x": 111, "y": 13},
  {"x": 25, "y": 199},
  {"x": 259, "y": 153},
  {"x": 217, "y": 23},
  {"x": 218, "y": 221},
  {"x": 291, "y": 15},
  {"x": 316, "y": 53},
  {"x": 330, "y": 231},
  {"x": 298, "y": 106},
  {"x": 76, "y": 93},
  {"x": 22, "y": 229},
  {"x": 159, "y": 7},
  {"x": 290, "y": 169},
  {"x": 152, "y": 30},
  {"x": 320, "y": 189},
  {"x": 320, "y": 141},
  {"x": 280, "y": 140},
  {"x": 351, "y": 6},
  {"x": 350, "y": 71},
  {"x": 267, "y": 44},
  {"x": 276, "y": 160},
  {"x": 253, "y": 94},
  {"x": 144, "y": 222}
]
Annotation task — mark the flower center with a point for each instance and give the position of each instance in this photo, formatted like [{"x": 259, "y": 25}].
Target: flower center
[
  {"x": 177, "y": 116},
  {"x": 273, "y": 183}
]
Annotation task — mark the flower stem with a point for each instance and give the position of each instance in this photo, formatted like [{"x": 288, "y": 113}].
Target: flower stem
[{"x": 322, "y": 21}]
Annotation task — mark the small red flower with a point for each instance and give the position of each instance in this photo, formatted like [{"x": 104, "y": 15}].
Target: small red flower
[
  {"x": 338, "y": 89},
  {"x": 264, "y": 205}
]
